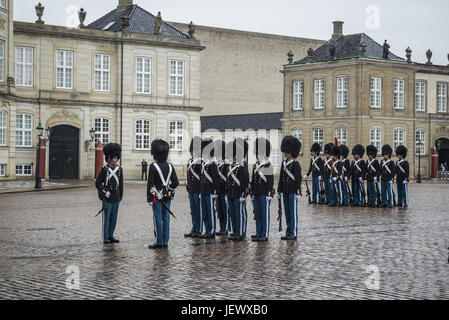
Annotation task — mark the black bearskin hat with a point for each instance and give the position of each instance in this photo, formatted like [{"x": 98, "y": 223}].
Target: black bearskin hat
[
  {"x": 112, "y": 150},
  {"x": 401, "y": 151},
  {"x": 344, "y": 151},
  {"x": 358, "y": 149},
  {"x": 386, "y": 149},
  {"x": 220, "y": 149},
  {"x": 262, "y": 147},
  {"x": 336, "y": 152},
  {"x": 316, "y": 148},
  {"x": 291, "y": 145},
  {"x": 195, "y": 145},
  {"x": 207, "y": 148},
  {"x": 328, "y": 148},
  {"x": 159, "y": 150},
  {"x": 371, "y": 150}
]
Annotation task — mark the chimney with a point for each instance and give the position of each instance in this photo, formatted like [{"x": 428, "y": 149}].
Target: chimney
[
  {"x": 338, "y": 30},
  {"x": 124, "y": 4}
]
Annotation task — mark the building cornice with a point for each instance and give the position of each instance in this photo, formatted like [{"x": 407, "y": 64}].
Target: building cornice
[{"x": 308, "y": 119}]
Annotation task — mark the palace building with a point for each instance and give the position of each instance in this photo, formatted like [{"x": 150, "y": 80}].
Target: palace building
[{"x": 355, "y": 89}]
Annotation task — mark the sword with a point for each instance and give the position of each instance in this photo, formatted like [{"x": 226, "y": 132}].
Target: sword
[
  {"x": 104, "y": 208},
  {"x": 308, "y": 191},
  {"x": 155, "y": 193},
  {"x": 280, "y": 212}
]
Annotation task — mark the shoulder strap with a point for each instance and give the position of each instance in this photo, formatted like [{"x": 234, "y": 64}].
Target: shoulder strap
[{"x": 165, "y": 182}]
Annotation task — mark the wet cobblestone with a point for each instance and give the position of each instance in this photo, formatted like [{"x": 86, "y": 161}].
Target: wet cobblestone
[{"x": 41, "y": 234}]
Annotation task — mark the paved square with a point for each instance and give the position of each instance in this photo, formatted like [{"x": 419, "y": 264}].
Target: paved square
[{"x": 41, "y": 234}]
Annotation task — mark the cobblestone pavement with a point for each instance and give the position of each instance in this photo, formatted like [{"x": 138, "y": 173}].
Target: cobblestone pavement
[
  {"x": 41, "y": 234},
  {"x": 9, "y": 186}
]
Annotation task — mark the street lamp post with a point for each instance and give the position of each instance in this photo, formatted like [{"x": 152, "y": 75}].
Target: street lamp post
[
  {"x": 418, "y": 177},
  {"x": 40, "y": 133}
]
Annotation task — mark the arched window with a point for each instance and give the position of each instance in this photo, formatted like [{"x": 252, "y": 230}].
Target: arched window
[
  {"x": 3, "y": 127},
  {"x": 318, "y": 137},
  {"x": 297, "y": 134},
  {"x": 398, "y": 138},
  {"x": 143, "y": 134},
  {"x": 376, "y": 138},
  {"x": 420, "y": 140},
  {"x": 24, "y": 130},
  {"x": 176, "y": 135},
  {"x": 102, "y": 129},
  {"x": 342, "y": 136}
]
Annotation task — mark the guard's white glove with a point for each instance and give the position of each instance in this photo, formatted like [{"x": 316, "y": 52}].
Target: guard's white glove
[
  {"x": 107, "y": 195},
  {"x": 346, "y": 179},
  {"x": 306, "y": 176},
  {"x": 298, "y": 196},
  {"x": 320, "y": 178},
  {"x": 278, "y": 196},
  {"x": 214, "y": 196},
  {"x": 335, "y": 179},
  {"x": 405, "y": 182},
  {"x": 375, "y": 179},
  {"x": 268, "y": 198},
  {"x": 360, "y": 179},
  {"x": 226, "y": 199},
  {"x": 242, "y": 200}
]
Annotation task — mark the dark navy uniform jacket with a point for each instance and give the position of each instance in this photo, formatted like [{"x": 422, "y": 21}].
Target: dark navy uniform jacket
[
  {"x": 372, "y": 170},
  {"x": 358, "y": 169},
  {"x": 260, "y": 186},
  {"x": 116, "y": 190},
  {"x": 154, "y": 179},
  {"x": 209, "y": 171},
  {"x": 337, "y": 169},
  {"x": 286, "y": 183},
  {"x": 327, "y": 168},
  {"x": 233, "y": 189},
  {"x": 316, "y": 167},
  {"x": 388, "y": 170},
  {"x": 194, "y": 175},
  {"x": 223, "y": 168},
  {"x": 346, "y": 168},
  {"x": 402, "y": 170}
]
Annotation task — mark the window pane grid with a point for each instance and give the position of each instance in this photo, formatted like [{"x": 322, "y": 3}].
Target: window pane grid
[
  {"x": 143, "y": 75},
  {"x": 318, "y": 137},
  {"x": 342, "y": 136},
  {"x": 24, "y": 134},
  {"x": 176, "y": 135},
  {"x": 101, "y": 126},
  {"x": 143, "y": 134},
  {"x": 2, "y": 60},
  {"x": 442, "y": 97},
  {"x": 398, "y": 95},
  {"x": 420, "y": 137},
  {"x": 342, "y": 92},
  {"x": 420, "y": 96},
  {"x": 398, "y": 138},
  {"x": 3, "y": 128},
  {"x": 24, "y": 66},
  {"x": 64, "y": 65},
  {"x": 376, "y": 92},
  {"x": 177, "y": 77},
  {"x": 298, "y": 94},
  {"x": 376, "y": 138},
  {"x": 102, "y": 72},
  {"x": 319, "y": 94}
]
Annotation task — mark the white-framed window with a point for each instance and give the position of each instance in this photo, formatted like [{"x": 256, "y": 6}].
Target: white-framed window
[
  {"x": 143, "y": 134},
  {"x": 2, "y": 61},
  {"x": 376, "y": 138},
  {"x": 23, "y": 170},
  {"x": 3, "y": 127},
  {"x": 176, "y": 135},
  {"x": 398, "y": 94},
  {"x": 2, "y": 170},
  {"x": 143, "y": 75},
  {"x": 64, "y": 69},
  {"x": 176, "y": 77},
  {"x": 441, "y": 97},
  {"x": 398, "y": 138},
  {"x": 275, "y": 156},
  {"x": 102, "y": 128},
  {"x": 342, "y": 92},
  {"x": 24, "y": 66},
  {"x": 420, "y": 136},
  {"x": 376, "y": 92},
  {"x": 319, "y": 93},
  {"x": 297, "y": 134},
  {"x": 318, "y": 137},
  {"x": 24, "y": 130},
  {"x": 342, "y": 136},
  {"x": 420, "y": 99},
  {"x": 298, "y": 95},
  {"x": 3, "y": 4},
  {"x": 102, "y": 72}
]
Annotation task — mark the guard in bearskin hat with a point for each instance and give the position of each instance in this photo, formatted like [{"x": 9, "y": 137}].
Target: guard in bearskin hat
[
  {"x": 316, "y": 170},
  {"x": 402, "y": 176},
  {"x": 193, "y": 185},
  {"x": 289, "y": 187},
  {"x": 372, "y": 175},
  {"x": 358, "y": 171},
  {"x": 262, "y": 189},
  {"x": 209, "y": 184},
  {"x": 388, "y": 171},
  {"x": 336, "y": 190},
  {"x": 345, "y": 174},
  {"x": 236, "y": 190},
  {"x": 223, "y": 167},
  {"x": 162, "y": 182},
  {"x": 109, "y": 184},
  {"x": 327, "y": 170}
]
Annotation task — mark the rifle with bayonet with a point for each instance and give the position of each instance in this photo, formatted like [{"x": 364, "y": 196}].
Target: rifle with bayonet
[
  {"x": 280, "y": 211},
  {"x": 308, "y": 191}
]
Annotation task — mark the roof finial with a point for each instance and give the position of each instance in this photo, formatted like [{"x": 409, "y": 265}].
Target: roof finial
[
  {"x": 158, "y": 24},
  {"x": 429, "y": 54},
  {"x": 192, "y": 29},
  {"x": 332, "y": 51},
  {"x": 408, "y": 54},
  {"x": 290, "y": 56},
  {"x": 386, "y": 50},
  {"x": 39, "y": 12},
  {"x": 362, "y": 48},
  {"x": 82, "y": 16}
]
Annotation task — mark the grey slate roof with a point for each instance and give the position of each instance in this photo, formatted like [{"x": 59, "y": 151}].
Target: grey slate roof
[
  {"x": 140, "y": 21},
  {"x": 346, "y": 47},
  {"x": 260, "y": 121}
]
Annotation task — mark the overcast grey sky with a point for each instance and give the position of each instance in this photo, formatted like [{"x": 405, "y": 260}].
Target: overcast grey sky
[{"x": 419, "y": 24}]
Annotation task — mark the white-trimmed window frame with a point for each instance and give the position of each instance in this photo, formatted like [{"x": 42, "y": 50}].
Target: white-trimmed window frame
[
  {"x": 422, "y": 136},
  {"x": 143, "y": 134},
  {"x": 297, "y": 133},
  {"x": 65, "y": 69},
  {"x": 3, "y": 167},
  {"x": 100, "y": 130},
  {"x": 25, "y": 65},
  {"x": 399, "y": 135},
  {"x": 342, "y": 136},
  {"x": 2, "y": 60},
  {"x": 398, "y": 94},
  {"x": 318, "y": 136},
  {"x": 24, "y": 131},
  {"x": 442, "y": 98},
  {"x": 342, "y": 98},
  {"x": 420, "y": 96},
  {"x": 176, "y": 76},
  {"x": 376, "y": 92},
  {"x": 376, "y": 139},
  {"x": 24, "y": 168},
  {"x": 298, "y": 95},
  {"x": 3, "y": 128},
  {"x": 103, "y": 72},
  {"x": 176, "y": 135},
  {"x": 319, "y": 94},
  {"x": 145, "y": 61}
]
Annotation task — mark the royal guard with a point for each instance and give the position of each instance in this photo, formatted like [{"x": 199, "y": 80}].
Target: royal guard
[
  {"x": 193, "y": 185},
  {"x": 236, "y": 191},
  {"x": 316, "y": 170},
  {"x": 336, "y": 190},
  {"x": 109, "y": 184},
  {"x": 162, "y": 182},
  {"x": 388, "y": 171},
  {"x": 223, "y": 167},
  {"x": 327, "y": 170},
  {"x": 345, "y": 174},
  {"x": 358, "y": 169},
  {"x": 289, "y": 187},
  {"x": 372, "y": 175},
  {"x": 209, "y": 183},
  {"x": 402, "y": 176},
  {"x": 262, "y": 189}
]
